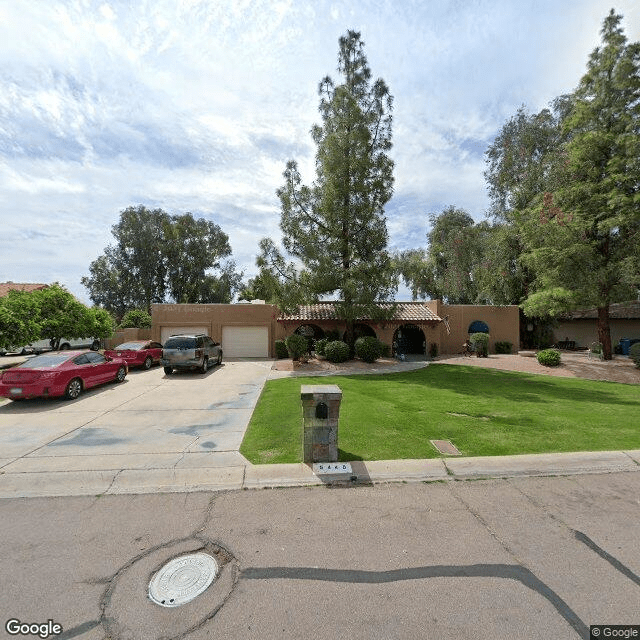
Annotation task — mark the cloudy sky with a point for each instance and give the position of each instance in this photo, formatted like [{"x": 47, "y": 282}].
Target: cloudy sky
[{"x": 196, "y": 105}]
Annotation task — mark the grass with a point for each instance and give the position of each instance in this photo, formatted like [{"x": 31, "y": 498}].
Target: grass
[{"x": 484, "y": 412}]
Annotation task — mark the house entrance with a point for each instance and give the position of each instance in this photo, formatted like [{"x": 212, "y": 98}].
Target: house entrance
[{"x": 409, "y": 339}]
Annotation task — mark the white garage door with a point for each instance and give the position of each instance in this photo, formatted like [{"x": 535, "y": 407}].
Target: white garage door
[
  {"x": 245, "y": 342},
  {"x": 166, "y": 332}
]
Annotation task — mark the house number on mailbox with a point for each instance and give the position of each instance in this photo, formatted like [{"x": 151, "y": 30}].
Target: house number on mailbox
[{"x": 322, "y": 411}]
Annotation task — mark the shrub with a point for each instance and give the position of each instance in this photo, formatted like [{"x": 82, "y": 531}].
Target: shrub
[
  {"x": 385, "y": 350},
  {"x": 281, "y": 349},
  {"x": 480, "y": 344},
  {"x": 433, "y": 350},
  {"x": 136, "y": 318},
  {"x": 549, "y": 357},
  {"x": 320, "y": 346},
  {"x": 503, "y": 346},
  {"x": 634, "y": 354},
  {"x": 337, "y": 351},
  {"x": 296, "y": 346},
  {"x": 368, "y": 348}
]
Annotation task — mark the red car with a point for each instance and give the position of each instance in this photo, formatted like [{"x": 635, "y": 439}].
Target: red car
[
  {"x": 136, "y": 353},
  {"x": 60, "y": 373}
]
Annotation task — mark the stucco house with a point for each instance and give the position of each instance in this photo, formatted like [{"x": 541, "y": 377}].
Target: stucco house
[{"x": 251, "y": 329}]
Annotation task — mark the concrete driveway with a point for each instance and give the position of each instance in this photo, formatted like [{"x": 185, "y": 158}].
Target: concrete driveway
[{"x": 151, "y": 421}]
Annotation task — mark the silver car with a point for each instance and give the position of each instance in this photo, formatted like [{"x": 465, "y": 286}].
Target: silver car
[{"x": 190, "y": 351}]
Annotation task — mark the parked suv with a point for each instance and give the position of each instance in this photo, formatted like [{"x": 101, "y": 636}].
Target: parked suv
[{"x": 190, "y": 352}]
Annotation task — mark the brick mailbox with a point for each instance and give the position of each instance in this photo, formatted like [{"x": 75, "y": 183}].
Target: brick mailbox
[{"x": 320, "y": 413}]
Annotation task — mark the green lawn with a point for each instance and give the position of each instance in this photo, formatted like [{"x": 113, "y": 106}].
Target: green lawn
[{"x": 484, "y": 412}]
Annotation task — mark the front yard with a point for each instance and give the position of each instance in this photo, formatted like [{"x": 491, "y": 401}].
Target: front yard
[{"x": 482, "y": 411}]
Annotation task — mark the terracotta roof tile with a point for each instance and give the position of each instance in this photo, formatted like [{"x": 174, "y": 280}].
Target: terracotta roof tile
[
  {"x": 405, "y": 311},
  {"x": 5, "y": 287},
  {"x": 618, "y": 310}
]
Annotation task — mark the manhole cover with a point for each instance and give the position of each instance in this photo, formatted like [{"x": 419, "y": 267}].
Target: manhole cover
[
  {"x": 446, "y": 447},
  {"x": 182, "y": 579}
]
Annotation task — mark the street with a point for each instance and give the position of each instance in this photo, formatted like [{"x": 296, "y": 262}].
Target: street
[{"x": 534, "y": 558}]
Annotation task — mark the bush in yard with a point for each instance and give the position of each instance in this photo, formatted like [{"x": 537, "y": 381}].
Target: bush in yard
[
  {"x": 368, "y": 348},
  {"x": 634, "y": 354},
  {"x": 331, "y": 335},
  {"x": 320, "y": 346},
  {"x": 385, "y": 350},
  {"x": 480, "y": 344},
  {"x": 281, "y": 349},
  {"x": 504, "y": 346},
  {"x": 296, "y": 345},
  {"x": 549, "y": 357},
  {"x": 337, "y": 351}
]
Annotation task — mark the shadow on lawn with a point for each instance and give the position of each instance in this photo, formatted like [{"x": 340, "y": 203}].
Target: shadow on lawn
[{"x": 512, "y": 386}]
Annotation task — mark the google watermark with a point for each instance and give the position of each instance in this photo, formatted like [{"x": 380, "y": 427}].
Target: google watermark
[
  {"x": 15, "y": 627},
  {"x": 599, "y": 631}
]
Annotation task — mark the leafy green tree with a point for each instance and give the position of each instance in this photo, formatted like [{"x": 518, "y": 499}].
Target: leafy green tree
[
  {"x": 156, "y": 256},
  {"x": 136, "y": 318},
  {"x": 585, "y": 245},
  {"x": 336, "y": 227},
  {"x": 19, "y": 324}
]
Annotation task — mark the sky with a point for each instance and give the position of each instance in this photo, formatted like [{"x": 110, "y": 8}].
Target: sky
[{"x": 196, "y": 106}]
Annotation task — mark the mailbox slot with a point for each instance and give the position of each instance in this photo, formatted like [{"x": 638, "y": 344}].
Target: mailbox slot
[{"x": 322, "y": 411}]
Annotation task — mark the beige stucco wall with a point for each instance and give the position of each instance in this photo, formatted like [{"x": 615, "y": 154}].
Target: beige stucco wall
[
  {"x": 584, "y": 332},
  {"x": 214, "y": 317},
  {"x": 503, "y": 323}
]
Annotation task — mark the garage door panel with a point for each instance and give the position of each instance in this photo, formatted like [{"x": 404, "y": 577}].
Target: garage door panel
[
  {"x": 245, "y": 342},
  {"x": 167, "y": 332}
]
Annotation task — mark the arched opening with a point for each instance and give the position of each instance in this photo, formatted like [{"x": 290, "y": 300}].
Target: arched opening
[
  {"x": 478, "y": 327},
  {"x": 409, "y": 340},
  {"x": 311, "y": 332},
  {"x": 360, "y": 331}
]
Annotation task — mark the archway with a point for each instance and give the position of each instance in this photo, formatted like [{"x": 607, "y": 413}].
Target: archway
[
  {"x": 409, "y": 339},
  {"x": 360, "y": 331},
  {"x": 478, "y": 326}
]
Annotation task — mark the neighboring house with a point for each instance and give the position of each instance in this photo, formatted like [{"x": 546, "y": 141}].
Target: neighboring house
[
  {"x": 581, "y": 327},
  {"x": 251, "y": 329},
  {"x": 5, "y": 287}
]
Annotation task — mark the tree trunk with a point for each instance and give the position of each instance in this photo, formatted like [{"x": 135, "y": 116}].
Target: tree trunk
[{"x": 604, "y": 332}]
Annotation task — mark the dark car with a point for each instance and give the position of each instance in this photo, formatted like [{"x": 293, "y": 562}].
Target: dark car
[
  {"x": 137, "y": 353},
  {"x": 190, "y": 352},
  {"x": 63, "y": 373}
]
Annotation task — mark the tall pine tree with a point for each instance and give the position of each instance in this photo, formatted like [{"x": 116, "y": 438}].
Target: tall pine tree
[{"x": 336, "y": 228}]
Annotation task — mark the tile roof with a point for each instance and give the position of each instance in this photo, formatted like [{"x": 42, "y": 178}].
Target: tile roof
[
  {"x": 618, "y": 310},
  {"x": 5, "y": 287},
  {"x": 405, "y": 311}
]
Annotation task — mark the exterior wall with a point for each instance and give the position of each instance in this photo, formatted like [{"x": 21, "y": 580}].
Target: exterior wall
[
  {"x": 214, "y": 317},
  {"x": 503, "y": 323},
  {"x": 584, "y": 332},
  {"x": 127, "y": 335}
]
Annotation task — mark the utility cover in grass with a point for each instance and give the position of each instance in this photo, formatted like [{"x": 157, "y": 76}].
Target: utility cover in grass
[{"x": 446, "y": 447}]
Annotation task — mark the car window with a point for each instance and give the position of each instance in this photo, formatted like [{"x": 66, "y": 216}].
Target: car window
[
  {"x": 81, "y": 359},
  {"x": 180, "y": 343},
  {"x": 44, "y": 361},
  {"x": 155, "y": 345},
  {"x": 95, "y": 358},
  {"x": 129, "y": 346}
]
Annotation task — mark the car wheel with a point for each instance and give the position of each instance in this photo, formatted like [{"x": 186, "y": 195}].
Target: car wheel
[
  {"x": 95, "y": 345},
  {"x": 168, "y": 370},
  {"x": 205, "y": 365},
  {"x": 220, "y": 358},
  {"x": 148, "y": 362},
  {"x": 74, "y": 388},
  {"x": 64, "y": 346},
  {"x": 121, "y": 375}
]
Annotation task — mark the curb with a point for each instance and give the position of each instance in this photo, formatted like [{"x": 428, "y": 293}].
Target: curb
[{"x": 235, "y": 478}]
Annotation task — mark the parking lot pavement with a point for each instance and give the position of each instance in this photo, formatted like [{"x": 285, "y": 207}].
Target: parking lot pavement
[
  {"x": 523, "y": 558},
  {"x": 184, "y": 421}
]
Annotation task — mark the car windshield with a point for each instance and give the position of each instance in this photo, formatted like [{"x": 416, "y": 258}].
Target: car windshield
[
  {"x": 130, "y": 346},
  {"x": 180, "y": 343},
  {"x": 45, "y": 361}
]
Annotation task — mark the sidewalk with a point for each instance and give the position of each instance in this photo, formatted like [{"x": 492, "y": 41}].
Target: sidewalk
[{"x": 248, "y": 476}]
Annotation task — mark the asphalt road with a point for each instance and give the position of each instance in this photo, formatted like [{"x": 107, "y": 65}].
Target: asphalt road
[{"x": 534, "y": 558}]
